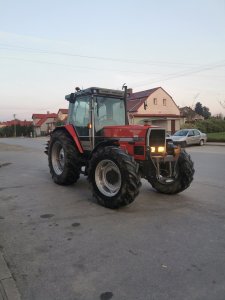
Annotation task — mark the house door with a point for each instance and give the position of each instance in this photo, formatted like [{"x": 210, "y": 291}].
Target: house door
[{"x": 172, "y": 126}]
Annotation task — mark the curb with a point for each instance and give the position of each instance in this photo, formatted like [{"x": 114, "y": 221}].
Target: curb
[
  {"x": 8, "y": 288},
  {"x": 214, "y": 144}
]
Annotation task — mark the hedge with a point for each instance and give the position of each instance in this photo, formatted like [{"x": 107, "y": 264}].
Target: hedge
[{"x": 207, "y": 126}]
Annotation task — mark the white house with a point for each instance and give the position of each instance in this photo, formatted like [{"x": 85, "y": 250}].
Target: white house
[
  {"x": 155, "y": 107},
  {"x": 43, "y": 123}
]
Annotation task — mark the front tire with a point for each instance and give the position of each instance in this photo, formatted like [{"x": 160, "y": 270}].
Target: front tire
[
  {"x": 63, "y": 159},
  {"x": 182, "y": 180},
  {"x": 114, "y": 177},
  {"x": 183, "y": 144}
]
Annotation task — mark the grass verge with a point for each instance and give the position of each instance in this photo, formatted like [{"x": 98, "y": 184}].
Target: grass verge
[{"x": 216, "y": 137}]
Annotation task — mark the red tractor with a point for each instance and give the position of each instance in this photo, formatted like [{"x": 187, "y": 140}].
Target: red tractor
[{"x": 99, "y": 143}]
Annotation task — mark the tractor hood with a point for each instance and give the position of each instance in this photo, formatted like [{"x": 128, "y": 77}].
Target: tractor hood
[{"x": 126, "y": 131}]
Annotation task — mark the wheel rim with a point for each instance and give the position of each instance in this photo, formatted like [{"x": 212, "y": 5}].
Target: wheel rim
[
  {"x": 108, "y": 178},
  {"x": 201, "y": 143},
  {"x": 165, "y": 180},
  {"x": 58, "y": 158}
]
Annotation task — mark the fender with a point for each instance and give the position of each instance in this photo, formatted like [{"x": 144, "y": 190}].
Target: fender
[
  {"x": 110, "y": 142},
  {"x": 70, "y": 129}
]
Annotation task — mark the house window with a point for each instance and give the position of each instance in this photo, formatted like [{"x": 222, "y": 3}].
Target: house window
[
  {"x": 155, "y": 101},
  {"x": 164, "y": 102}
]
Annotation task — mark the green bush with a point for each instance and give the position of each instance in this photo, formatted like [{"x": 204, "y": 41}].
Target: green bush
[
  {"x": 216, "y": 137},
  {"x": 8, "y": 131},
  {"x": 207, "y": 126}
]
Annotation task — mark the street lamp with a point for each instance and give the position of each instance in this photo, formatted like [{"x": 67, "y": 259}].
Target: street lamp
[{"x": 14, "y": 115}]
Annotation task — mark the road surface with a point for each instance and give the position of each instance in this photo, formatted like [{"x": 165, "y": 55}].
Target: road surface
[{"x": 60, "y": 245}]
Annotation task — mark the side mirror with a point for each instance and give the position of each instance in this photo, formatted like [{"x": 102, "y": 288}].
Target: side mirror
[{"x": 71, "y": 97}]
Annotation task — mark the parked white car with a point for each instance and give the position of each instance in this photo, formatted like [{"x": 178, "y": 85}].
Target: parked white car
[{"x": 186, "y": 137}]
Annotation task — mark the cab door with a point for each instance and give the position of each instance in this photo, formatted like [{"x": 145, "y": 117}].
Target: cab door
[{"x": 80, "y": 117}]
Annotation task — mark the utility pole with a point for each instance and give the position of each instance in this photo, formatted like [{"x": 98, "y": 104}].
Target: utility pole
[{"x": 14, "y": 115}]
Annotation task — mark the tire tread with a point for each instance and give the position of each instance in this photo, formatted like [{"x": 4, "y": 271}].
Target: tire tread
[{"x": 130, "y": 177}]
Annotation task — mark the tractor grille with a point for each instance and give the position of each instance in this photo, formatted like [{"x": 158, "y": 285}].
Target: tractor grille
[
  {"x": 138, "y": 150},
  {"x": 157, "y": 137}
]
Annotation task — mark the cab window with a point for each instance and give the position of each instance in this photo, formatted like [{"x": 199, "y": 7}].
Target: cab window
[
  {"x": 109, "y": 111},
  {"x": 80, "y": 115}
]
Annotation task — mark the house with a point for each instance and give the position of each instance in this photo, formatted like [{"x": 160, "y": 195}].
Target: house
[
  {"x": 43, "y": 123},
  {"x": 154, "y": 107},
  {"x": 62, "y": 115},
  {"x": 188, "y": 115}
]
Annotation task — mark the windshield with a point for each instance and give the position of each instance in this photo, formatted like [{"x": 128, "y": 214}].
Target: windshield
[
  {"x": 80, "y": 111},
  {"x": 109, "y": 111},
  {"x": 181, "y": 133}
]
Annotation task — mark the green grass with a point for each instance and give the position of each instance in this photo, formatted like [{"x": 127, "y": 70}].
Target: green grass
[{"x": 216, "y": 137}]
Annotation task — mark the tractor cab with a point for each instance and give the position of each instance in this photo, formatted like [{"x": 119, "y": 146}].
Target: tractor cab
[{"x": 92, "y": 109}]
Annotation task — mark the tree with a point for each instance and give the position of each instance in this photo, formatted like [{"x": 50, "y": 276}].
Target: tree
[
  {"x": 218, "y": 116},
  {"x": 202, "y": 110},
  {"x": 8, "y": 131},
  {"x": 205, "y": 112},
  {"x": 199, "y": 108}
]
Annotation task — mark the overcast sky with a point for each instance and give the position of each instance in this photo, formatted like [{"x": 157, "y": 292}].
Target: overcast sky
[{"x": 47, "y": 48}]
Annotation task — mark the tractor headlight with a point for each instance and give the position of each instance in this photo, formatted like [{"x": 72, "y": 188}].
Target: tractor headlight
[{"x": 161, "y": 149}]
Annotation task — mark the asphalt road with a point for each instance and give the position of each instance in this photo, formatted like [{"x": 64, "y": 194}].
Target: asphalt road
[{"x": 59, "y": 244}]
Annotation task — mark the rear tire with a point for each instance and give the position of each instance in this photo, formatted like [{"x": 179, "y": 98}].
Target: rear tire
[
  {"x": 114, "y": 177},
  {"x": 201, "y": 143},
  {"x": 63, "y": 158},
  {"x": 185, "y": 171}
]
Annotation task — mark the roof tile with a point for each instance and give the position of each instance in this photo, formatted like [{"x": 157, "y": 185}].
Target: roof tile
[{"x": 135, "y": 100}]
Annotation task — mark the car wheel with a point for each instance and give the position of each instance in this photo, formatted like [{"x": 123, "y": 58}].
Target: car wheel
[{"x": 201, "y": 142}]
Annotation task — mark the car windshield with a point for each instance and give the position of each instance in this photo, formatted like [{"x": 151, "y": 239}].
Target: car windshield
[
  {"x": 181, "y": 133},
  {"x": 109, "y": 111}
]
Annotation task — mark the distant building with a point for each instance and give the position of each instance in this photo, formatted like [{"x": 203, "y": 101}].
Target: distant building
[
  {"x": 2, "y": 124},
  {"x": 62, "y": 115},
  {"x": 188, "y": 115},
  {"x": 154, "y": 107},
  {"x": 44, "y": 123}
]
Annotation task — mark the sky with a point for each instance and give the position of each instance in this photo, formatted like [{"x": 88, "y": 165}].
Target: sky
[{"x": 47, "y": 48}]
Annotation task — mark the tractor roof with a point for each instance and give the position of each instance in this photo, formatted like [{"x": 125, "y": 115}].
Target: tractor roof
[{"x": 95, "y": 91}]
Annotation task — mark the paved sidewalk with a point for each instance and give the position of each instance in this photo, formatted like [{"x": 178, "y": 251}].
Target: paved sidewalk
[
  {"x": 214, "y": 144},
  {"x": 8, "y": 289}
]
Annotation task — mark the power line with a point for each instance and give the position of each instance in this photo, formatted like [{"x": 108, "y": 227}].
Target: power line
[
  {"x": 123, "y": 60},
  {"x": 166, "y": 78},
  {"x": 184, "y": 73},
  {"x": 75, "y": 67}
]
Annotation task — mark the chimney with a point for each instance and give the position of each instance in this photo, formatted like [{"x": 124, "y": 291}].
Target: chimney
[{"x": 129, "y": 92}]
